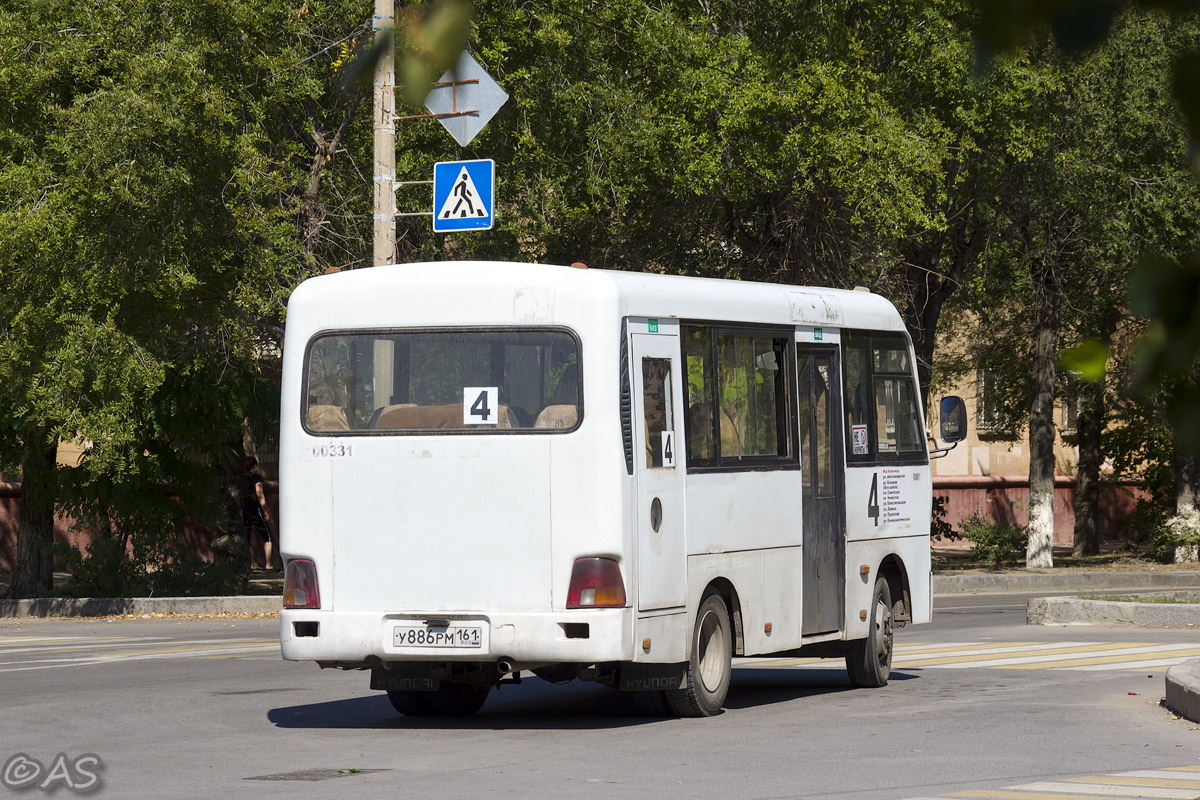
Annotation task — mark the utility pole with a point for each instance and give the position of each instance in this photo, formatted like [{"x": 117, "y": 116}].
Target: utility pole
[{"x": 385, "y": 137}]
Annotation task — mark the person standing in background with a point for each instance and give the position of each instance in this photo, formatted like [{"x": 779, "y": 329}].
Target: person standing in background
[{"x": 256, "y": 514}]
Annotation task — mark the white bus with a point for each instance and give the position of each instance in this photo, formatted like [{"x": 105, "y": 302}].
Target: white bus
[{"x": 489, "y": 469}]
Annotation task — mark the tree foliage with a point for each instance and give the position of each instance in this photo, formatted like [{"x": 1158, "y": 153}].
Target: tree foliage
[
  {"x": 170, "y": 171},
  {"x": 152, "y": 162}
]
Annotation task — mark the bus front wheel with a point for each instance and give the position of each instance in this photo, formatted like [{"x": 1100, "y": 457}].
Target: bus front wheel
[
  {"x": 711, "y": 665},
  {"x": 869, "y": 660}
]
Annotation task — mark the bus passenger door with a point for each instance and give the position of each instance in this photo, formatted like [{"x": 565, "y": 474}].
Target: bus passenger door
[
  {"x": 658, "y": 465},
  {"x": 824, "y": 533}
]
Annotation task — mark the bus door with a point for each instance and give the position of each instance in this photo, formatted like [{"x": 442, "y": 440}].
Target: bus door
[
  {"x": 824, "y": 534},
  {"x": 658, "y": 465}
]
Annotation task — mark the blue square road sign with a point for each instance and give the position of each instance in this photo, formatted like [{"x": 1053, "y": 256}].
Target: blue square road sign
[{"x": 464, "y": 195}]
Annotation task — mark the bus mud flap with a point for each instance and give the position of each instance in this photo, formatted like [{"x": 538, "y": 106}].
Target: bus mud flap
[
  {"x": 652, "y": 677},
  {"x": 407, "y": 678}
]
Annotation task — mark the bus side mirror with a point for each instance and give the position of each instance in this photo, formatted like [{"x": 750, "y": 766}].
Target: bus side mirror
[{"x": 953, "y": 420}]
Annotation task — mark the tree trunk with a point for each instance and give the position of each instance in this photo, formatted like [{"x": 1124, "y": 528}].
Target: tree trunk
[
  {"x": 33, "y": 573},
  {"x": 1187, "y": 519},
  {"x": 312, "y": 214},
  {"x": 1089, "y": 428},
  {"x": 231, "y": 545},
  {"x": 929, "y": 289},
  {"x": 1040, "y": 549}
]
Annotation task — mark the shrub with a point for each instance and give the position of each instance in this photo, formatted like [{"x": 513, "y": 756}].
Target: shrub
[
  {"x": 939, "y": 528},
  {"x": 167, "y": 569},
  {"x": 995, "y": 542},
  {"x": 106, "y": 571}
]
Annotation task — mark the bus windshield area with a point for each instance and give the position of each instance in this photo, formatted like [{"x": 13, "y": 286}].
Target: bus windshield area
[{"x": 467, "y": 380}]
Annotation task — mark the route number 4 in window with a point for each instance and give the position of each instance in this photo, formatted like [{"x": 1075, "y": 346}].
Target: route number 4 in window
[
  {"x": 873, "y": 499},
  {"x": 668, "y": 448},
  {"x": 481, "y": 405}
]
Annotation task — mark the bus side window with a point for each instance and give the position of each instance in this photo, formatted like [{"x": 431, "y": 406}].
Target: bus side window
[
  {"x": 657, "y": 407},
  {"x": 881, "y": 399},
  {"x": 858, "y": 399},
  {"x": 701, "y": 441}
]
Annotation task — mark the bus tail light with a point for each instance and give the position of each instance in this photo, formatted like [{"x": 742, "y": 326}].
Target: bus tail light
[
  {"x": 596, "y": 583},
  {"x": 300, "y": 588}
]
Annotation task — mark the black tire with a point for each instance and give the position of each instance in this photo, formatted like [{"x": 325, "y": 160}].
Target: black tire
[
  {"x": 869, "y": 660},
  {"x": 710, "y": 667},
  {"x": 457, "y": 699},
  {"x": 652, "y": 704},
  {"x": 410, "y": 704}
]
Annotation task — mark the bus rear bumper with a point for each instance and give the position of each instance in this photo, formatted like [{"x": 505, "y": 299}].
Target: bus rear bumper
[{"x": 347, "y": 637}]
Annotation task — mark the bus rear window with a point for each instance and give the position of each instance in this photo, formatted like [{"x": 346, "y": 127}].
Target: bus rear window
[{"x": 466, "y": 380}]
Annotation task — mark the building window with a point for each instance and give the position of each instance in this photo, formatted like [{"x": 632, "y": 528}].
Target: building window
[
  {"x": 990, "y": 410},
  {"x": 1070, "y": 413}
]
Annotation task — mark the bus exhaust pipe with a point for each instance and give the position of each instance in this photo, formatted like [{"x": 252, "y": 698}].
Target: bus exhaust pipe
[{"x": 505, "y": 666}]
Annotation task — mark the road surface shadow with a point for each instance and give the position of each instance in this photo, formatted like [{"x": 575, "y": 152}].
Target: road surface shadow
[
  {"x": 533, "y": 705},
  {"x": 536, "y": 705},
  {"x": 763, "y": 686}
]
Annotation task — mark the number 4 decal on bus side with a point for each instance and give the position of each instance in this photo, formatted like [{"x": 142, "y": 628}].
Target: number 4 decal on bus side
[
  {"x": 873, "y": 499},
  {"x": 481, "y": 405},
  {"x": 668, "y": 448}
]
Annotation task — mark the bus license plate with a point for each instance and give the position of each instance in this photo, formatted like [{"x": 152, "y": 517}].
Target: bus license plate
[{"x": 421, "y": 635}]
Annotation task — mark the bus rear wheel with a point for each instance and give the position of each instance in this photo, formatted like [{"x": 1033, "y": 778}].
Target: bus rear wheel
[
  {"x": 711, "y": 665},
  {"x": 869, "y": 660},
  {"x": 457, "y": 699},
  {"x": 450, "y": 700},
  {"x": 652, "y": 704},
  {"x": 410, "y": 704}
]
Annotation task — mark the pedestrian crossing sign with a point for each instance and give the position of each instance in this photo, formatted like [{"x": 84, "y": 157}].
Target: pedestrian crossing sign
[{"x": 464, "y": 194}]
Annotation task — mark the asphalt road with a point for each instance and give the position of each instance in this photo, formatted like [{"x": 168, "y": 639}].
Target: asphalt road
[{"x": 978, "y": 703}]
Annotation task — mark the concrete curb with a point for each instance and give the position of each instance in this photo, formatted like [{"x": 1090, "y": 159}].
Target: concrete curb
[
  {"x": 1076, "y": 611},
  {"x": 1183, "y": 689},
  {"x": 136, "y": 606},
  {"x": 1064, "y": 581}
]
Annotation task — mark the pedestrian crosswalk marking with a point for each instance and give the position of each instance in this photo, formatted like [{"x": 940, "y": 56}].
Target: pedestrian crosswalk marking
[
  {"x": 1089, "y": 656},
  {"x": 1171, "y": 783},
  {"x": 1044, "y": 654},
  {"x": 1109, "y": 790},
  {"x": 1003, "y": 794},
  {"x": 1164, "y": 655},
  {"x": 1145, "y": 779},
  {"x": 976, "y": 647}
]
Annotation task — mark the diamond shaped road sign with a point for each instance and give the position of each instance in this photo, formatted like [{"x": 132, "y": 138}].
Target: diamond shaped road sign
[{"x": 465, "y": 88}]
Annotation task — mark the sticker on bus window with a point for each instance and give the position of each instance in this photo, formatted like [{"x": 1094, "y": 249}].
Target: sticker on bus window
[
  {"x": 858, "y": 437},
  {"x": 481, "y": 405},
  {"x": 668, "y": 448}
]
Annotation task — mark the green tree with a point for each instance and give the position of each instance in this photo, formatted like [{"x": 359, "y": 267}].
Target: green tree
[{"x": 156, "y": 206}]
